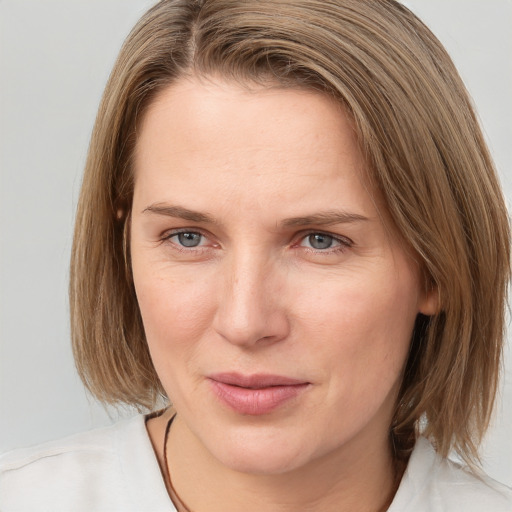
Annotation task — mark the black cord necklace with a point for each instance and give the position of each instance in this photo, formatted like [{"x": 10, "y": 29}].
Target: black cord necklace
[{"x": 178, "y": 503}]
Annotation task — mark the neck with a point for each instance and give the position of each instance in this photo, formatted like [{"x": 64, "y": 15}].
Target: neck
[{"x": 359, "y": 478}]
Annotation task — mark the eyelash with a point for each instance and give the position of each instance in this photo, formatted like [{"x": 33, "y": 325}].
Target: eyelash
[
  {"x": 170, "y": 235},
  {"x": 344, "y": 243}
]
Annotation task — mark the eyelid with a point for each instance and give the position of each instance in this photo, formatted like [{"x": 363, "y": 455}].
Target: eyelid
[
  {"x": 170, "y": 233},
  {"x": 345, "y": 242}
]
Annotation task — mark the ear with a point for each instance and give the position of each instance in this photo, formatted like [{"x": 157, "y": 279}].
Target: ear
[{"x": 430, "y": 303}]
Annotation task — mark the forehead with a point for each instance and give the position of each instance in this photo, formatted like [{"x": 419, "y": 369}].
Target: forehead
[
  {"x": 205, "y": 106},
  {"x": 196, "y": 114},
  {"x": 242, "y": 141}
]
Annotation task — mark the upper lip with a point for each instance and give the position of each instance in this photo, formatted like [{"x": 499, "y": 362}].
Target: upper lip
[{"x": 256, "y": 381}]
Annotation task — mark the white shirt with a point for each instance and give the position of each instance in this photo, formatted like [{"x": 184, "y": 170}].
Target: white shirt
[{"x": 115, "y": 469}]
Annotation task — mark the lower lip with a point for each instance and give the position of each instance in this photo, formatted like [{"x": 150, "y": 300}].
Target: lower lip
[{"x": 256, "y": 402}]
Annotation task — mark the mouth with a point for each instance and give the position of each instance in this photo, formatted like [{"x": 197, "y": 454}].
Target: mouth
[{"x": 257, "y": 394}]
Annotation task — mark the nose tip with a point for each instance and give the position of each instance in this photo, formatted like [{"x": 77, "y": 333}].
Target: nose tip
[
  {"x": 250, "y": 311},
  {"x": 246, "y": 335}
]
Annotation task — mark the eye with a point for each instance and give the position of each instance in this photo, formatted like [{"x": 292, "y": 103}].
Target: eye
[
  {"x": 189, "y": 239},
  {"x": 324, "y": 242},
  {"x": 319, "y": 241}
]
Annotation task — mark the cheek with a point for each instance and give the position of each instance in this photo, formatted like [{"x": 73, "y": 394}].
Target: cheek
[
  {"x": 176, "y": 310},
  {"x": 362, "y": 332},
  {"x": 365, "y": 309}
]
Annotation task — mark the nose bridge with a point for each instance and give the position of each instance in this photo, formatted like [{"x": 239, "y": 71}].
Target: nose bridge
[{"x": 248, "y": 309}]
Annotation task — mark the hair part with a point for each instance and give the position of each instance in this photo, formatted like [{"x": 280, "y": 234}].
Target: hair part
[{"x": 425, "y": 154}]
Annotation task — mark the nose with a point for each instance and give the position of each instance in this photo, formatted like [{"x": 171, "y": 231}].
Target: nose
[{"x": 251, "y": 310}]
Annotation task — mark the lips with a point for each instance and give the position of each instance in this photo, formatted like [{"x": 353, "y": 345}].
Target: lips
[{"x": 255, "y": 394}]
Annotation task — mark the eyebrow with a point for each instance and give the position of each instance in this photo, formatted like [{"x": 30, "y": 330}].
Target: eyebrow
[
  {"x": 180, "y": 213},
  {"x": 326, "y": 218}
]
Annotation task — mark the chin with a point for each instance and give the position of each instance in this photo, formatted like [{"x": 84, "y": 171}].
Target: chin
[
  {"x": 263, "y": 462},
  {"x": 262, "y": 452}
]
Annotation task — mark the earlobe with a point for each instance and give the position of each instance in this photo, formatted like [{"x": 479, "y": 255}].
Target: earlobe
[{"x": 430, "y": 303}]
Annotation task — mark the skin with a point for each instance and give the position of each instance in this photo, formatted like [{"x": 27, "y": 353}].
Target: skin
[{"x": 256, "y": 296}]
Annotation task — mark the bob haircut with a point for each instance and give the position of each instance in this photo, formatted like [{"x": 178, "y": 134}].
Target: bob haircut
[{"x": 426, "y": 159}]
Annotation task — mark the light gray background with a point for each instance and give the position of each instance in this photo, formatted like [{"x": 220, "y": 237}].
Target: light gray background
[{"x": 55, "y": 56}]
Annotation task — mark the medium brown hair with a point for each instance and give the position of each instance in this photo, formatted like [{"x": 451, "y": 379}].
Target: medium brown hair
[{"x": 425, "y": 156}]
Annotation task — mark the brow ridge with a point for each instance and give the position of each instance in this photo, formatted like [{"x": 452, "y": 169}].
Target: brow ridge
[
  {"x": 324, "y": 219},
  {"x": 179, "y": 212},
  {"x": 318, "y": 219}
]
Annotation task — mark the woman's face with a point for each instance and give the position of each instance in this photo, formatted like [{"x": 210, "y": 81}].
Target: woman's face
[{"x": 277, "y": 306}]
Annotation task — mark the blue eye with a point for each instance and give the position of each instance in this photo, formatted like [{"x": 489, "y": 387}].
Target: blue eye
[
  {"x": 321, "y": 241},
  {"x": 188, "y": 238}
]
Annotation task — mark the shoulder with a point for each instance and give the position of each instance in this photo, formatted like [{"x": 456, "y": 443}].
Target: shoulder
[
  {"x": 90, "y": 441},
  {"x": 88, "y": 471},
  {"x": 98, "y": 443},
  {"x": 434, "y": 484}
]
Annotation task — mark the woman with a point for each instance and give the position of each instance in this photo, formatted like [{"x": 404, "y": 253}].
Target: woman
[{"x": 290, "y": 228}]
